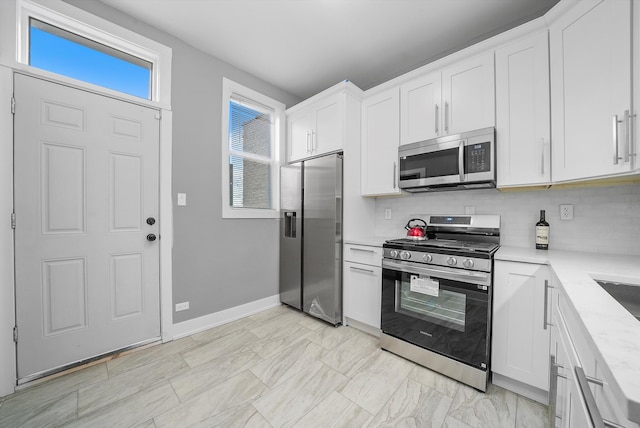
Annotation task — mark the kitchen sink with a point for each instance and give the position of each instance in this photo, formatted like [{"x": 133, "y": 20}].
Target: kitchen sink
[{"x": 628, "y": 295}]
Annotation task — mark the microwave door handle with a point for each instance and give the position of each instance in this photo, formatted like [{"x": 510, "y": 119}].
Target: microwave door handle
[{"x": 461, "y": 160}]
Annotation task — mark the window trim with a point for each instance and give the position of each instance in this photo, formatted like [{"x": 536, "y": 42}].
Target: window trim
[
  {"x": 232, "y": 90},
  {"x": 84, "y": 24}
]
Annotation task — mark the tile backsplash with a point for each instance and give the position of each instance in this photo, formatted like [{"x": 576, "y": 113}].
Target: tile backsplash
[{"x": 605, "y": 219}]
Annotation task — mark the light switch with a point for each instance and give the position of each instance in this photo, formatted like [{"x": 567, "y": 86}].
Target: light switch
[{"x": 182, "y": 199}]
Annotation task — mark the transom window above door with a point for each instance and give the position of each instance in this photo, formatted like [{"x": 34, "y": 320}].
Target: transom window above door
[
  {"x": 57, "y": 41},
  {"x": 60, "y": 51}
]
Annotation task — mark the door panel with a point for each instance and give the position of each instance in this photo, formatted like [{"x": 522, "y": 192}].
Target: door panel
[
  {"x": 63, "y": 189},
  {"x": 64, "y": 295},
  {"x": 86, "y": 177}
]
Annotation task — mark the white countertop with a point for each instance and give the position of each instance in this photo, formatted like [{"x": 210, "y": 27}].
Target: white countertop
[{"x": 611, "y": 330}]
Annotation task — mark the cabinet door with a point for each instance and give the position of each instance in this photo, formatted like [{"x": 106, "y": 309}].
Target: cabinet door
[
  {"x": 590, "y": 89},
  {"x": 523, "y": 112},
  {"x": 380, "y": 139},
  {"x": 520, "y": 347},
  {"x": 363, "y": 286},
  {"x": 299, "y": 128},
  {"x": 421, "y": 109},
  {"x": 328, "y": 129},
  {"x": 468, "y": 95}
]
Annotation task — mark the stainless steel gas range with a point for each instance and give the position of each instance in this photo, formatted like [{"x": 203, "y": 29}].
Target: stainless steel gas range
[{"x": 437, "y": 294}]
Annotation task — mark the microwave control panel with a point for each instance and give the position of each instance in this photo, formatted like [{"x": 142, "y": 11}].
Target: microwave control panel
[{"x": 477, "y": 157}]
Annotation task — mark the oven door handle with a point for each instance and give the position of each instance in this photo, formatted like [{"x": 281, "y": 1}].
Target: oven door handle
[{"x": 481, "y": 278}]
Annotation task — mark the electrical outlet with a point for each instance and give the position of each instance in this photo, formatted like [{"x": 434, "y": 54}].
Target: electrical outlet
[
  {"x": 387, "y": 213},
  {"x": 182, "y": 199},
  {"x": 182, "y": 306},
  {"x": 566, "y": 212}
]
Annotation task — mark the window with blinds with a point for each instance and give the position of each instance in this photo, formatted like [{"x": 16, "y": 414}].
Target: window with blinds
[{"x": 251, "y": 154}]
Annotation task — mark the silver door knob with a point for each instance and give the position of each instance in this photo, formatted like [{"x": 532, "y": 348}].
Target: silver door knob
[{"x": 151, "y": 237}]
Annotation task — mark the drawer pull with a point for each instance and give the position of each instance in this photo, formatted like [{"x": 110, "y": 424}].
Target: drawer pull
[
  {"x": 361, "y": 269},
  {"x": 594, "y": 381},
  {"x": 361, "y": 249},
  {"x": 592, "y": 408}
]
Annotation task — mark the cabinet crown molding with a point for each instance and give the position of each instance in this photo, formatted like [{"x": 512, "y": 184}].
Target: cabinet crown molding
[{"x": 345, "y": 86}]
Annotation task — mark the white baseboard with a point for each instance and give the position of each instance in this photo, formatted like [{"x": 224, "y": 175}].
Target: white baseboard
[
  {"x": 196, "y": 325},
  {"x": 520, "y": 388},
  {"x": 362, "y": 327}
]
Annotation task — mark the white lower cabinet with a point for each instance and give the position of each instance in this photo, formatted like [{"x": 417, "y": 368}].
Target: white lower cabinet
[
  {"x": 580, "y": 393},
  {"x": 520, "y": 335},
  {"x": 362, "y": 280}
]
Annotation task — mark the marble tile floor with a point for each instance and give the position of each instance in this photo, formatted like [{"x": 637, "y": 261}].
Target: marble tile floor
[{"x": 277, "y": 368}]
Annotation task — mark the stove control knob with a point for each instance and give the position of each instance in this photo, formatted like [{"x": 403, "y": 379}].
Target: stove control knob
[
  {"x": 468, "y": 263},
  {"x": 393, "y": 253},
  {"x": 451, "y": 261},
  {"x": 405, "y": 255},
  {"x": 427, "y": 258}
]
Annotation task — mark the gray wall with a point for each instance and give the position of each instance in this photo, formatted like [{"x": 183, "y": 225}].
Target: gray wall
[
  {"x": 606, "y": 218},
  {"x": 217, "y": 263}
]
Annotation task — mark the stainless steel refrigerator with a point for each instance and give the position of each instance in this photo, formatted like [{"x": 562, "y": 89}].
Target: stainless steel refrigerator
[{"x": 311, "y": 237}]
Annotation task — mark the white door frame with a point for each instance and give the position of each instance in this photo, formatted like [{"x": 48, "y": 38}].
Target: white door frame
[
  {"x": 7, "y": 257},
  {"x": 11, "y": 49}
]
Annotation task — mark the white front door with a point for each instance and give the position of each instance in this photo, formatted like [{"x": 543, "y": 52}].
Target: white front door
[{"x": 86, "y": 191}]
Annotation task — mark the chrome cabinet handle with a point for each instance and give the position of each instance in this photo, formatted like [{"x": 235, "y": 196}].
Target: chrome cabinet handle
[
  {"x": 446, "y": 117},
  {"x": 308, "y": 149},
  {"x": 313, "y": 141},
  {"x": 361, "y": 269},
  {"x": 553, "y": 389},
  {"x": 546, "y": 299},
  {"x": 461, "y": 160},
  {"x": 437, "y": 129},
  {"x": 610, "y": 424},
  {"x": 362, "y": 249},
  {"x": 615, "y": 139},
  {"x": 542, "y": 153},
  {"x": 627, "y": 135},
  {"x": 395, "y": 170},
  {"x": 592, "y": 408}
]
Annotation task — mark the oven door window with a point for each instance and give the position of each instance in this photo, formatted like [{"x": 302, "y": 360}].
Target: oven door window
[
  {"x": 420, "y": 297},
  {"x": 454, "y": 323}
]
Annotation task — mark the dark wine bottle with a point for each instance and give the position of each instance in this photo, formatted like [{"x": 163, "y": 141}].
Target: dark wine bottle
[{"x": 542, "y": 233}]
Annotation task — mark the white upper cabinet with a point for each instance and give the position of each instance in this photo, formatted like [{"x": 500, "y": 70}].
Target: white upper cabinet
[
  {"x": 317, "y": 128},
  {"x": 468, "y": 95},
  {"x": 454, "y": 99},
  {"x": 591, "y": 90},
  {"x": 380, "y": 139},
  {"x": 523, "y": 112},
  {"x": 421, "y": 108}
]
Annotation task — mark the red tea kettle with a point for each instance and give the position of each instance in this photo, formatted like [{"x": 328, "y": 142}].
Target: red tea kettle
[{"x": 416, "y": 232}]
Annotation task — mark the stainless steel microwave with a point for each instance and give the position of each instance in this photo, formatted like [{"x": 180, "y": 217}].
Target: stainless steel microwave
[{"x": 462, "y": 161}]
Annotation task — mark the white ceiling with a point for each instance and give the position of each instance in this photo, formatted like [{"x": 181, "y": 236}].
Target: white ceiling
[{"x": 305, "y": 46}]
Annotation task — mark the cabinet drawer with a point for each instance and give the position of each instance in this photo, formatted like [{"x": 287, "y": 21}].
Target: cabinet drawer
[
  {"x": 363, "y": 293},
  {"x": 363, "y": 254}
]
